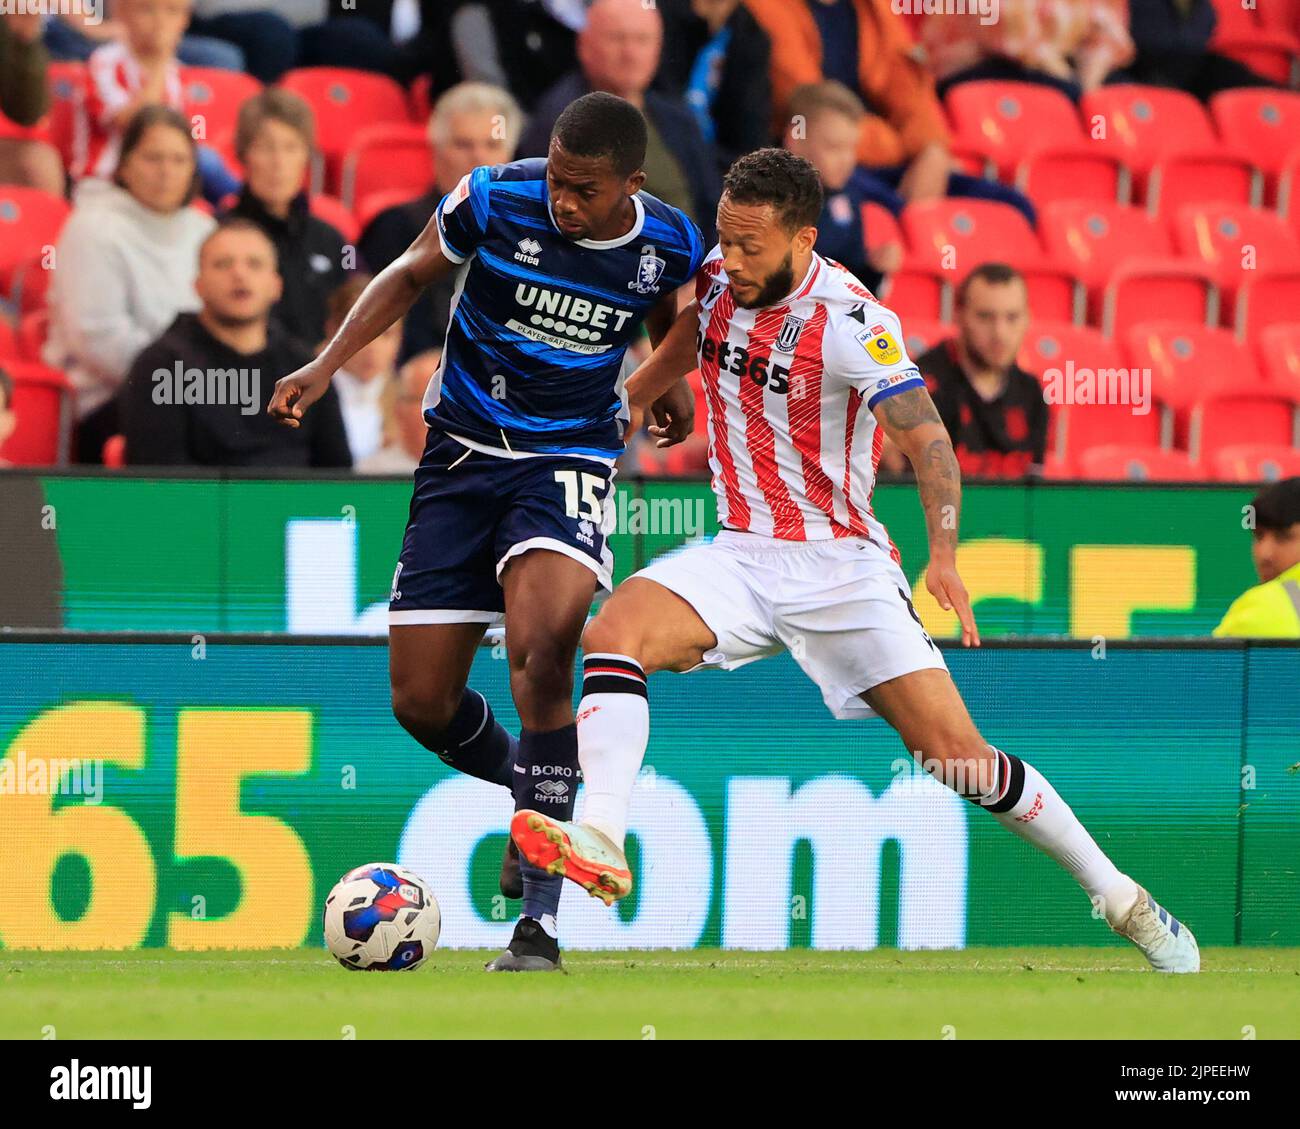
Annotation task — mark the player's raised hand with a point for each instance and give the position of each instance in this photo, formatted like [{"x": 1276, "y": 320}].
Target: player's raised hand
[
  {"x": 946, "y": 586},
  {"x": 674, "y": 415},
  {"x": 295, "y": 393}
]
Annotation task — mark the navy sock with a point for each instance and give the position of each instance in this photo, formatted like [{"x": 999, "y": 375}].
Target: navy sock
[
  {"x": 546, "y": 780},
  {"x": 477, "y": 745}
]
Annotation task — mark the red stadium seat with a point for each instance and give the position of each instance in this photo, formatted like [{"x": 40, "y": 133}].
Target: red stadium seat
[
  {"x": 213, "y": 97},
  {"x": 1279, "y": 356},
  {"x": 1081, "y": 427},
  {"x": 1190, "y": 362},
  {"x": 1242, "y": 417},
  {"x": 1050, "y": 344},
  {"x": 880, "y": 226},
  {"x": 955, "y": 235},
  {"x": 8, "y": 342},
  {"x": 1056, "y": 467},
  {"x": 66, "y": 121},
  {"x": 1202, "y": 177},
  {"x": 345, "y": 102},
  {"x": 1054, "y": 293},
  {"x": 1269, "y": 298},
  {"x": 1255, "y": 462},
  {"x": 1235, "y": 244},
  {"x": 1006, "y": 121},
  {"x": 42, "y": 403},
  {"x": 922, "y": 334},
  {"x": 32, "y": 332},
  {"x": 917, "y": 293},
  {"x": 1077, "y": 171},
  {"x": 30, "y": 220},
  {"x": 387, "y": 156},
  {"x": 1233, "y": 18},
  {"x": 1263, "y": 123},
  {"x": 1138, "y": 464},
  {"x": 1144, "y": 123},
  {"x": 114, "y": 452},
  {"x": 332, "y": 211},
  {"x": 1170, "y": 288},
  {"x": 1266, "y": 51},
  {"x": 1091, "y": 239}
]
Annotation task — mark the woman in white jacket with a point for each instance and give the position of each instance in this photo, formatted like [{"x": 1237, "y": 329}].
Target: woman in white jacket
[{"x": 124, "y": 268}]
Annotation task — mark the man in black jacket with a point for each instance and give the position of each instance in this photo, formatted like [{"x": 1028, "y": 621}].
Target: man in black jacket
[
  {"x": 195, "y": 397},
  {"x": 618, "y": 52}
]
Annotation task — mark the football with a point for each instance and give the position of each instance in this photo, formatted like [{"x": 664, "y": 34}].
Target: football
[{"x": 381, "y": 918}]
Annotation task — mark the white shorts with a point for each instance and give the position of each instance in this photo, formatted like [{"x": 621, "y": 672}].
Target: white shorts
[{"x": 842, "y": 608}]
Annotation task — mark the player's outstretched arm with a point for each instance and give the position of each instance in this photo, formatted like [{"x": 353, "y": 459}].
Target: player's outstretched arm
[
  {"x": 389, "y": 296},
  {"x": 912, "y": 423},
  {"x": 657, "y": 385}
]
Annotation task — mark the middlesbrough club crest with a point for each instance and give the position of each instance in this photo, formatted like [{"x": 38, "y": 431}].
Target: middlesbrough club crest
[
  {"x": 649, "y": 271},
  {"x": 788, "y": 338}
]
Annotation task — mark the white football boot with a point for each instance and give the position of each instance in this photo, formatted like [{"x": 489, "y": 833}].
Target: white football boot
[{"x": 1164, "y": 940}]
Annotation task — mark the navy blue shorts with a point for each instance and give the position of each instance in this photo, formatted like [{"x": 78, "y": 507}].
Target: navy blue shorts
[{"x": 471, "y": 512}]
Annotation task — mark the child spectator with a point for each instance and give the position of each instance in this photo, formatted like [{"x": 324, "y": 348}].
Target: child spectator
[
  {"x": 140, "y": 69},
  {"x": 826, "y": 118}
]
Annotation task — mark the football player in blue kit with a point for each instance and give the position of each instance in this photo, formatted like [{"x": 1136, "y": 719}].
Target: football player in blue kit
[{"x": 560, "y": 262}]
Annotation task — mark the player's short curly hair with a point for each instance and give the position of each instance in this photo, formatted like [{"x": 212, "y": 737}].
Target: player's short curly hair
[
  {"x": 777, "y": 177},
  {"x": 603, "y": 125}
]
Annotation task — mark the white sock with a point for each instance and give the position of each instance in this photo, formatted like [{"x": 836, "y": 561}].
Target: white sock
[
  {"x": 1026, "y": 804},
  {"x": 613, "y": 731}
]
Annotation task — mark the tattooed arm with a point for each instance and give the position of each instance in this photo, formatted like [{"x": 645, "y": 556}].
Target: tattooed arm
[{"x": 912, "y": 424}]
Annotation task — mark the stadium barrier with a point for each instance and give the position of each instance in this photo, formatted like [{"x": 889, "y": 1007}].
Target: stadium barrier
[
  {"x": 197, "y": 791},
  {"x": 188, "y": 552}
]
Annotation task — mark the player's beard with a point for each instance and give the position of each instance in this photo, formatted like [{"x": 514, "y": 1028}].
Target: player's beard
[
  {"x": 779, "y": 283},
  {"x": 981, "y": 362}
]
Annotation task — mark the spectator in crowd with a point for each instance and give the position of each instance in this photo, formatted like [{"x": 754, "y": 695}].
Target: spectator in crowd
[
  {"x": 363, "y": 382},
  {"x": 519, "y": 45},
  {"x": 472, "y": 124},
  {"x": 1173, "y": 49},
  {"x": 75, "y": 33},
  {"x": 1272, "y": 608},
  {"x": 719, "y": 60},
  {"x": 903, "y": 142},
  {"x": 124, "y": 267},
  {"x": 24, "y": 100},
  {"x": 618, "y": 52},
  {"x": 8, "y": 417},
  {"x": 197, "y": 396},
  {"x": 829, "y": 117},
  {"x": 994, "y": 410},
  {"x": 1071, "y": 45},
  {"x": 140, "y": 69},
  {"x": 274, "y": 140},
  {"x": 405, "y": 431}
]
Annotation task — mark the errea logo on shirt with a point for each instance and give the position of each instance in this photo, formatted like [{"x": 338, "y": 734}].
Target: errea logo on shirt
[{"x": 529, "y": 250}]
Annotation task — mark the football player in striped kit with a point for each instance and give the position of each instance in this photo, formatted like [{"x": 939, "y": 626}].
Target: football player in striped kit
[{"x": 804, "y": 374}]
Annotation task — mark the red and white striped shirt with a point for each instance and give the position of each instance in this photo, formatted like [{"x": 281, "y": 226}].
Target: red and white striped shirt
[
  {"x": 793, "y": 443},
  {"x": 115, "y": 78}
]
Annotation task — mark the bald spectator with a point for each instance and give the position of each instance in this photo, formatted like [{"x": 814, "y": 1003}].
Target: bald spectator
[
  {"x": 24, "y": 100},
  {"x": 405, "y": 431},
  {"x": 472, "y": 124},
  {"x": 197, "y": 395},
  {"x": 618, "y": 52}
]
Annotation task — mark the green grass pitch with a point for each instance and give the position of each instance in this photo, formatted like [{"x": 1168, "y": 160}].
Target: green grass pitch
[{"x": 975, "y": 993}]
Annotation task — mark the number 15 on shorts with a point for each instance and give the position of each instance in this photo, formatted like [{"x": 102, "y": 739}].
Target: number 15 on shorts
[{"x": 582, "y": 494}]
